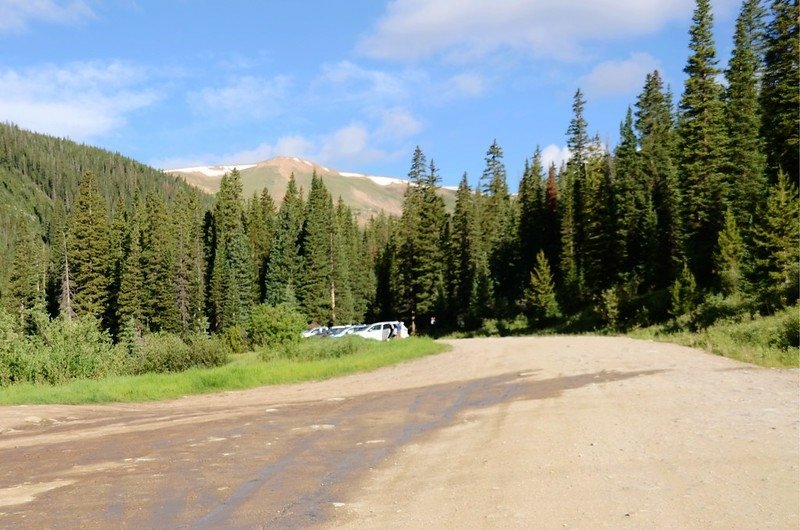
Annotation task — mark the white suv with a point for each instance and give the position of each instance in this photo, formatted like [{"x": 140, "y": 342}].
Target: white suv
[{"x": 383, "y": 330}]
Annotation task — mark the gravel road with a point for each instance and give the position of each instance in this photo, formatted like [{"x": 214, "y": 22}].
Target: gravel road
[{"x": 554, "y": 432}]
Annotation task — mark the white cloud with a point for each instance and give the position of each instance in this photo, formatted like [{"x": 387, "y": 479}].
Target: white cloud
[
  {"x": 16, "y": 15},
  {"x": 246, "y": 97},
  {"x": 353, "y": 143},
  {"x": 553, "y": 154},
  {"x": 397, "y": 124},
  {"x": 78, "y": 100},
  {"x": 619, "y": 76},
  {"x": 561, "y": 29},
  {"x": 465, "y": 85}
]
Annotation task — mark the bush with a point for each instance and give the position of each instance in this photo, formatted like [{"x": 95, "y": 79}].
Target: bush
[
  {"x": 66, "y": 350},
  {"x": 207, "y": 351},
  {"x": 276, "y": 327},
  {"x": 159, "y": 352},
  {"x": 788, "y": 335},
  {"x": 607, "y": 307},
  {"x": 234, "y": 339}
]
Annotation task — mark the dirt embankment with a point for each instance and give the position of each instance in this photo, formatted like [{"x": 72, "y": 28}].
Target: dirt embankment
[{"x": 497, "y": 433}]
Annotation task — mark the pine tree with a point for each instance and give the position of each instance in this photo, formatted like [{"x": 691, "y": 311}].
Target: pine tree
[
  {"x": 540, "y": 295},
  {"x": 745, "y": 150},
  {"x": 419, "y": 257},
  {"x": 189, "y": 260},
  {"x": 702, "y": 146},
  {"x": 572, "y": 202},
  {"x": 130, "y": 305},
  {"x": 657, "y": 246},
  {"x": 27, "y": 277},
  {"x": 232, "y": 292},
  {"x": 460, "y": 271},
  {"x": 780, "y": 100},
  {"x": 551, "y": 243},
  {"x": 599, "y": 252},
  {"x": 260, "y": 231},
  {"x": 728, "y": 260},
  {"x": 283, "y": 263},
  {"x": 531, "y": 200},
  {"x": 628, "y": 194},
  {"x": 775, "y": 265},
  {"x": 160, "y": 301},
  {"x": 316, "y": 288},
  {"x": 88, "y": 250}
]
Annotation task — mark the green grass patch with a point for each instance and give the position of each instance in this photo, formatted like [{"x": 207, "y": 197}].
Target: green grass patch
[
  {"x": 244, "y": 371},
  {"x": 769, "y": 341}
]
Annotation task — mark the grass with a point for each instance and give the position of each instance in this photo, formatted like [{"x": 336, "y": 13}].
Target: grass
[
  {"x": 761, "y": 340},
  {"x": 244, "y": 371}
]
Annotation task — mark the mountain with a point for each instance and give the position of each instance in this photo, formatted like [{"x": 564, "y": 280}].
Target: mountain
[
  {"x": 366, "y": 195},
  {"x": 38, "y": 172}
]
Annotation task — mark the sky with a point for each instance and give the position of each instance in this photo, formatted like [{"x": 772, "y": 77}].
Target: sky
[{"x": 354, "y": 85}]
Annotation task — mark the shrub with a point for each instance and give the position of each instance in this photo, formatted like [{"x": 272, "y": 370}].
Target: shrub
[
  {"x": 276, "y": 327},
  {"x": 234, "y": 339},
  {"x": 160, "y": 352},
  {"x": 66, "y": 350},
  {"x": 788, "y": 335},
  {"x": 207, "y": 351},
  {"x": 607, "y": 307}
]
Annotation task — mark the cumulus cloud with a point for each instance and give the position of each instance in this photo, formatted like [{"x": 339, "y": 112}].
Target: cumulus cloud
[
  {"x": 16, "y": 15},
  {"x": 415, "y": 29},
  {"x": 397, "y": 124},
  {"x": 246, "y": 97},
  {"x": 619, "y": 76},
  {"x": 554, "y": 154},
  {"x": 351, "y": 144},
  {"x": 78, "y": 100}
]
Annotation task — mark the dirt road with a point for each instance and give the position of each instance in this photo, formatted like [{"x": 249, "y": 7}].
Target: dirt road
[{"x": 497, "y": 433}]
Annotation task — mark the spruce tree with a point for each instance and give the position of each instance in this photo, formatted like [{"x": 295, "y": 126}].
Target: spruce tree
[
  {"x": 460, "y": 271},
  {"x": 27, "y": 277},
  {"x": 540, "y": 294},
  {"x": 420, "y": 258},
  {"x": 189, "y": 261},
  {"x": 745, "y": 149},
  {"x": 729, "y": 257},
  {"x": 316, "y": 287},
  {"x": 260, "y": 231},
  {"x": 774, "y": 268},
  {"x": 232, "y": 292},
  {"x": 283, "y": 263},
  {"x": 780, "y": 100},
  {"x": 572, "y": 202},
  {"x": 88, "y": 250},
  {"x": 702, "y": 146},
  {"x": 160, "y": 302},
  {"x": 531, "y": 198},
  {"x": 657, "y": 246},
  {"x": 130, "y": 304}
]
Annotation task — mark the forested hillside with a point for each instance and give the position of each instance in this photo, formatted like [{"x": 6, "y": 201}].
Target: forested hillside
[
  {"x": 39, "y": 177},
  {"x": 692, "y": 217}
]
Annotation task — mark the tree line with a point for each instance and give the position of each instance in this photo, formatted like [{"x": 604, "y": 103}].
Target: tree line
[{"x": 698, "y": 199}]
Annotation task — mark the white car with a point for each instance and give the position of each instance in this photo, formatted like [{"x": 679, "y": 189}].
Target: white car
[
  {"x": 314, "y": 332},
  {"x": 383, "y": 330}
]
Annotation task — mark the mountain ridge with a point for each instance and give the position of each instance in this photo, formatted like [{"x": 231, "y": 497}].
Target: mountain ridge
[{"x": 366, "y": 195}]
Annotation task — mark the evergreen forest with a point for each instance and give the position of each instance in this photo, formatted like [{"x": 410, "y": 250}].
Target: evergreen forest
[{"x": 693, "y": 216}]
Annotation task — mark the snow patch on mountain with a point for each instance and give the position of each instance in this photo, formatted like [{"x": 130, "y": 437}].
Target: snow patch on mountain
[
  {"x": 211, "y": 171},
  {"x": 381, "y": 181}
]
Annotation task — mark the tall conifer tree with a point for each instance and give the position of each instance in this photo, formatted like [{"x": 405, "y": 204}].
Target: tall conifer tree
[
  {"x": 745, "y": 149},
  {"x": 780, "y": 99},
  {"x": 702, "y": 145},
  {"x": 88, "y": 250}
]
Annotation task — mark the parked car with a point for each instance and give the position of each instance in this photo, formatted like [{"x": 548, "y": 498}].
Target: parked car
[
  {"x": 336, "y": 331},
  {"x": 349, "y": 330},
  {"x": 383, "y": 330},
  {"x": 314, "y": 332}
]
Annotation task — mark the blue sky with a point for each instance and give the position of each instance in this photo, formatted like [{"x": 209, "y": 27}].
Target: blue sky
[{"x": 354, "y": 84}]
